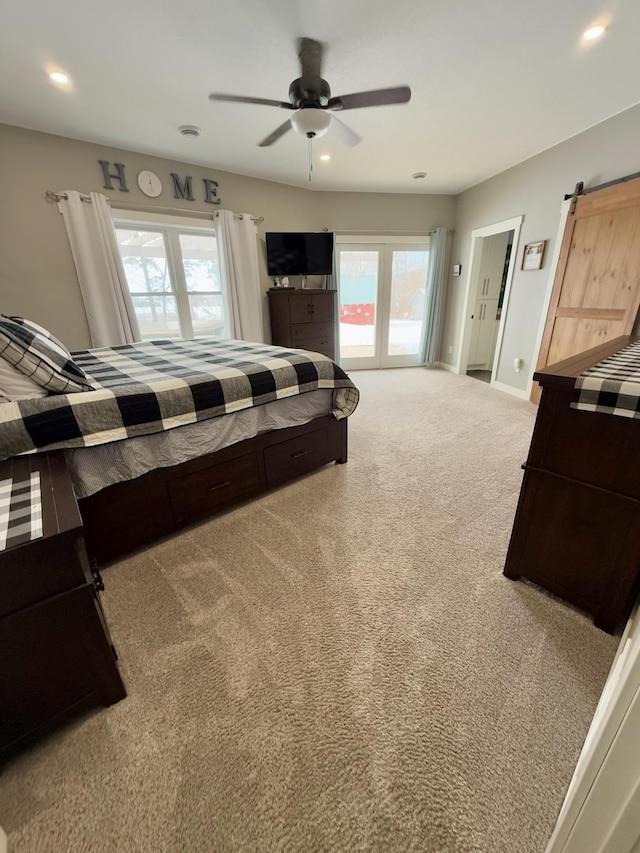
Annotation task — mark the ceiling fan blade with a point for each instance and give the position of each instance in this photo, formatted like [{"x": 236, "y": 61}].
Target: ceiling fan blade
[
  {"x": 241, "y": 99},
  {"x": 344, "y": 132},
  {"x": 374, "y": 98},
  {"x": 310, "y": 55},
  {"x": 275, "y": 136}
]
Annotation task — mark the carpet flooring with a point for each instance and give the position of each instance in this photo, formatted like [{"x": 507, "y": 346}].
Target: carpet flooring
[{"x": 337, "y": 666}]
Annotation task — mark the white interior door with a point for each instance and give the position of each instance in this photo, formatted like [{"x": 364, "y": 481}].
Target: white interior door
[{"x": 382, "y": 298}]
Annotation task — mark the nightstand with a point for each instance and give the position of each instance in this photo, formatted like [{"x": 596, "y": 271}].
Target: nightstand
[{"x": 56, "y": 654}]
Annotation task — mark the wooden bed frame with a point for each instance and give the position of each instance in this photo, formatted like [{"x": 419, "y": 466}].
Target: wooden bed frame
[{"x": 128, "y": 515}]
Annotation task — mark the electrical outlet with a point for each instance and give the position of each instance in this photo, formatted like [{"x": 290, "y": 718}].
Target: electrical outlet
[{"x": 450, "y": 350}]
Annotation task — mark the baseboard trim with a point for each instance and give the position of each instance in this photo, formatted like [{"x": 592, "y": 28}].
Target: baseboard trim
[
  {"x": 509, "y": 389},
  {"x": 450, "y": 367}
]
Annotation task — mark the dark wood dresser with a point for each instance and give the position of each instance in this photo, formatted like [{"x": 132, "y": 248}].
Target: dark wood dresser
[
  {"x": 577, "y": 526},
  {"x": 56, "y": 655},
  {"x": 303, "y": 319}
]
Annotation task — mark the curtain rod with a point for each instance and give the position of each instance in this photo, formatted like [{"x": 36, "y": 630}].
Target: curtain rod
[
  {"x": 383, "y": 231},
  {"x": 52, "y": 197}
]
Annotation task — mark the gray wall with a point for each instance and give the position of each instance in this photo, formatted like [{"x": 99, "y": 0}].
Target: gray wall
[
  {"x": 37, "y": 275},
  {"x": 383, "y": 212},
  {"x": 534, "y": 189},
  {"x": 38, "y": 279}
]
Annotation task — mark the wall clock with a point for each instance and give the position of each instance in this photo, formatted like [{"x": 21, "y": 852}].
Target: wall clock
[{"x": 150, "y": 184}]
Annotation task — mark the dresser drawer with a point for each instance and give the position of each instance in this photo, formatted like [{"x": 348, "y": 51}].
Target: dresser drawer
[
  {"x": 296, "y": 456},
  {"x": 299, "y": 334},
  {"x": 205, "y": 492},
  {"x": 321, "y": 345}
]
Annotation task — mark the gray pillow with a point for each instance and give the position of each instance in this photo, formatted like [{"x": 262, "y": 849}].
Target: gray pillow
[{"x": 36, "y": 353}]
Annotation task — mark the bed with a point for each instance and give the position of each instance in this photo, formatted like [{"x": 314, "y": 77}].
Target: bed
[{"x": 164, "y": 433}]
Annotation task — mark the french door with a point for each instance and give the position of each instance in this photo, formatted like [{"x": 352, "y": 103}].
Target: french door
[{"x": 382, "y": 302}]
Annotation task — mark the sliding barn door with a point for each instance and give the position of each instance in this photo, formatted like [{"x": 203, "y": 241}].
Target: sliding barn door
[{"x": 596, "y": 291}]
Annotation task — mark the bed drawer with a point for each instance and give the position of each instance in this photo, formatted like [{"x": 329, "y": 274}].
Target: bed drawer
[
  {"x": 205, "y": 492},
  {"x": 294, "y": 457}
]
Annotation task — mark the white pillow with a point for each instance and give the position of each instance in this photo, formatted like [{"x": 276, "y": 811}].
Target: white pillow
[{"x": 16, "y": 386}]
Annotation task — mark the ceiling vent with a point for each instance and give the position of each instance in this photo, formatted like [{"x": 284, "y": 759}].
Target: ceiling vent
[{"x": 189, "y": 130}]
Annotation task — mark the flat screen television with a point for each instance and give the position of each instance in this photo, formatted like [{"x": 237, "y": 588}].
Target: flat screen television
[{"x": 298, "y": 253}]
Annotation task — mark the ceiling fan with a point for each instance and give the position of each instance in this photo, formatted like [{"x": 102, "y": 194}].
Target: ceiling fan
[{"x": 310, "y": 98}]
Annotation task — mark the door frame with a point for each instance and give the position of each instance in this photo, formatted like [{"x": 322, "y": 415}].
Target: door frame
[
  {"x": 471, "y": 289},
  {"x": 388, "y": 243}
]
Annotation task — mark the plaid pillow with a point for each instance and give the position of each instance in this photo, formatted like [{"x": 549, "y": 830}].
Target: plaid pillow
[
  {"x": 39, "y": 355},
  {"x": 31, "y": 326}
]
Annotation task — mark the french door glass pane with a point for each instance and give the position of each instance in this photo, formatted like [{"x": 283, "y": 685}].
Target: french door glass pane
[
  {"x": 145, "y": 261},
  {"x": 408, "y": 298},
  {"x": 358, "y": 297},
  {"x": 207, "y": 314},
  {"x": 200, "y": 262},
  {"x": 157, "y": 316}
]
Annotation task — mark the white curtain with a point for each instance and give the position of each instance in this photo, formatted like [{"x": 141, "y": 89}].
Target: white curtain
[
  {"x": 103, "y": 283},
  {"x": 238, "y": 249},
  {"x": 435, "y": 296}
]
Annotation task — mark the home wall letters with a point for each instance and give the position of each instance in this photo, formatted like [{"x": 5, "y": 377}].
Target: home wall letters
[{"x": 182, "y": 188}]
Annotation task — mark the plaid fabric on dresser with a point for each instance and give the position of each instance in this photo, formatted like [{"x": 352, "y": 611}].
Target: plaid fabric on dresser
[
  {"x": 158, "y": 385},
  {"x": 20, "y": 511},
  {"x": 612, "y": 385}
]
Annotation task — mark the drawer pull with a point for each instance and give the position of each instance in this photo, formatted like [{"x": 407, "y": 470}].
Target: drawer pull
[
  {"x": 219, "y": 485},
  {"x": 298, "y": 454}
]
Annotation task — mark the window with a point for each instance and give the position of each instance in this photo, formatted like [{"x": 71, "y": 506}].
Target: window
[{"x": 173, "y": 274}]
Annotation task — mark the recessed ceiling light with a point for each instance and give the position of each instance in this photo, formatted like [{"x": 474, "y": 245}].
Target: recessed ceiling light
[
  {"x": 593, "y": 32},
  {"x": 325, "y": 156},
  {"x": 417, "y": 176},
  {"x": 59, "y": 77}
]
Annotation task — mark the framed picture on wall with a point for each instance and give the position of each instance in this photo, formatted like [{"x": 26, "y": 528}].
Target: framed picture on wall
[{"x": 533, "y": 256}]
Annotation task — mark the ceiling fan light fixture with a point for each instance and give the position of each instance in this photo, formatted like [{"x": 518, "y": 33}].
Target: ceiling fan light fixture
[{"x": 310, "y": 122}]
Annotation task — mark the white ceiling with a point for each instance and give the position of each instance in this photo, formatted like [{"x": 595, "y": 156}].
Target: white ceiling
[{"x": 493, "y": 82}]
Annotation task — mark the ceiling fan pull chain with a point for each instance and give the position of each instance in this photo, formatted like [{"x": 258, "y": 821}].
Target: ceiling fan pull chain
[{"x": 310, "y": 157}]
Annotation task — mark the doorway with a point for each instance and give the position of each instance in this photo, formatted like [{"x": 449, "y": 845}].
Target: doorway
[
  {"x": 492, "y": 272},
  {"x": 491, "y": 266},
  {"x": 382, "y": 299}
]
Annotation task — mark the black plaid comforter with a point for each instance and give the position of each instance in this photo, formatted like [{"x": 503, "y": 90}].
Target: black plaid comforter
[{"x": 159, "y": 385}]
